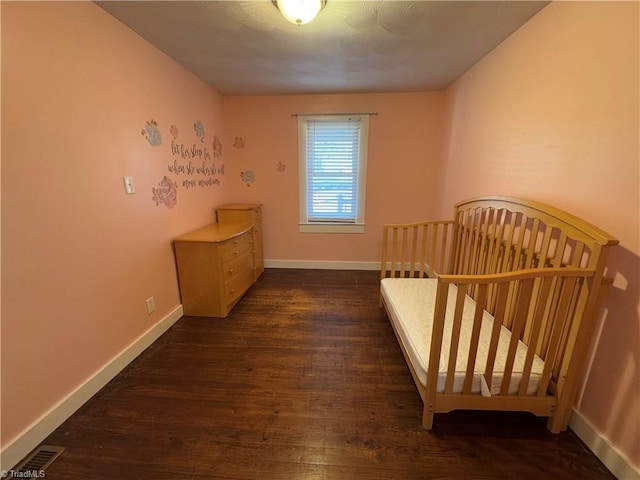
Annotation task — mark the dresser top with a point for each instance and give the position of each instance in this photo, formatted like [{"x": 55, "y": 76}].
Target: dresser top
[
  {"x": 215, "y": 233},
  {"x": 239, "y": 206}
]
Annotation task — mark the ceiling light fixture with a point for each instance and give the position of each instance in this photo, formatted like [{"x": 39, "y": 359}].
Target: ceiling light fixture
[{"x": 299, "y": 11}]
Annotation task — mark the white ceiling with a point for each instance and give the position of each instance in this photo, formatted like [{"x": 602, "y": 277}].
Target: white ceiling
[{"x": 248, "y": 48}]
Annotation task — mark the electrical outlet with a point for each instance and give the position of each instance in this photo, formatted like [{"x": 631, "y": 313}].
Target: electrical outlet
[{"x": 151, "y": 305}]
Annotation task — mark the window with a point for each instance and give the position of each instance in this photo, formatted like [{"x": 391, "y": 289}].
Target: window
[{"x": 333, "y": 168}]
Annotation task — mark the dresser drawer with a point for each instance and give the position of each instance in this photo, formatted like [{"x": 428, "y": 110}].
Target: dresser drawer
[
  {"x": 235, "y": 247},
  {"x": 236, "y": 242},
  {"x": 238, "y": 265},
  {"x": 235, "y": 288}
]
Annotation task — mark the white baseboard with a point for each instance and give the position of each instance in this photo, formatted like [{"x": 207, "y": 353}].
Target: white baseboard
[
  {"x": 613, "y": 459},
  {"x": 32, "y": 436},
  {"x": 321, "y": 265},
  {"x": 333, "y": 265}
]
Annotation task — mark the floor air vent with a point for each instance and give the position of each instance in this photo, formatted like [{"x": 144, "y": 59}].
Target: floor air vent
[{"x": 38, "y": 461}]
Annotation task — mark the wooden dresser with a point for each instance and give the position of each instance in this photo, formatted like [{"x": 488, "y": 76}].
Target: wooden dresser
[
  {"x": 215, "y": 267},
  {"x": 246, "y": 213}
]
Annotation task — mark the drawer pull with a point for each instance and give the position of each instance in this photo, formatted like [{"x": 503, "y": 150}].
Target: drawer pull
[{"x": 231, "y": 270}]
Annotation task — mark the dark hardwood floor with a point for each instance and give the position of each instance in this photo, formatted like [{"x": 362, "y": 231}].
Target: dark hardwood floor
[{"x": 304, "y": 380}]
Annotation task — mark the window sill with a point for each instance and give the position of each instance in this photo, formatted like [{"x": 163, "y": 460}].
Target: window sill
[{"x": 331, "y": 227}]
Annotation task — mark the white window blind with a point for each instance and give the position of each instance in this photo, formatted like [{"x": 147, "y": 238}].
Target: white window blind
[
  {"x": 333, "y": 153},
  {"x": 333, "y": 167}
]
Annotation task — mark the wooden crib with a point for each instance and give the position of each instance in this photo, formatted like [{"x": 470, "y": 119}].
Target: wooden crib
[{"x": 495, "y": 309}]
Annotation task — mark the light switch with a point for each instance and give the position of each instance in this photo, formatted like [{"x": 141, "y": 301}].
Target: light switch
[{"x": 128, "y": 185}]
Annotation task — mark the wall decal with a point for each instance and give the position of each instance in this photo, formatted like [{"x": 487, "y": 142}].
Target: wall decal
[
  {"x": 281, "y": 167},
  {"x": 152, "y": 133},
  {"x": 199, "y": 129},
  {"x": 174, "y": 131},
  {"x": 248, "y": 177},
  {"x": 239, "y": 143},
  {"x": 194, "y": 163},
  {"x": 190, "y": 165},
  {"x": 166, "y": 193},
  {"x": 217, "y": 147}
]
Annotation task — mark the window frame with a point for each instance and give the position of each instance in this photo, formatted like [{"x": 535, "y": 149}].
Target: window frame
[{"x": 307, "y": 226}]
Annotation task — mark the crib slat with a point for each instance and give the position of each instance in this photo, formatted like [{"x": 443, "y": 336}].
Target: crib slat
[
  {"x": 503, "y": 291},
  {"x": 414, "y": 250},
  {"x": 446, "y": 230},
  {"x": 437, "y": 331},
  {"x": 458, "y": 233},
  {"x": 509, "y": 246},
  {"x": 455, "y": 340},
  {"x": 385, "y": 247},
  {"x": 489, "y": 229},
  {"x": 564, "y": 337},
  {"x": 480, "y": 247},
  {"x": 511, "y": 306},
  {"x": 475, "y": 337},
  {"x": 536, "y": 326},
  {"x": 576, "y": 304},
  {"x": 394, "y": 250},
  {"x": 477, "y": 238},
  {"x": 496, "y": 231},
  {"x": 486, "y": 240},
  {"x": 526, "y": 333},
  {"x": 424, "y": 268},
  {"x": 533, "y": 239},
  {"x": 463, "y": 247},
  {"x": 551, "y": 311},
  {"x": 476, "y": 263},
  {"x": 498, "y": 242},
  {"x": 577, "y": 254},
  {"x": 495, "y": 246},
  {"x": 501, "y": 245},
  {"x": 434, "y": 243},
  {"x": 403, "y": 252},
  {"x": 558, "y": 259},
  {"x": 515, "y": 263},
  {"x": 523, "y": 299},
  {"x": 469, "y": 243},
  {"x": 544, "y": 256},
  {"x": 565, "y": 293},
  {"x": 464, "y": 244},
  {"x": 554, "y": 301}
]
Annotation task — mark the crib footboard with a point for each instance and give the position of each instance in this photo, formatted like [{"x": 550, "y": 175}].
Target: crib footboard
[
  {"x": 417, "y": 250},
  {"x": 522, "y": 341}
]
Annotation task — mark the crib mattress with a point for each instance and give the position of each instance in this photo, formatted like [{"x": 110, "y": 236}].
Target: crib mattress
[{"x": 411, "y": 304}]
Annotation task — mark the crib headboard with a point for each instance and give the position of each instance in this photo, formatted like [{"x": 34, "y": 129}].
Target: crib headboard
[{"x": 503, "y": 234}]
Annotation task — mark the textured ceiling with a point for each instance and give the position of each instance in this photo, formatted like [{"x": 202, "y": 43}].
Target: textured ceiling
[{"x": 248, "y": 48}]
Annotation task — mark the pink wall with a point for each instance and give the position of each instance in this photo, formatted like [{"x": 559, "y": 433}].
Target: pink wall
[
  {"x": 552, "y": 114},
  {"x": 405, "y": 141},
  {"x": 79, "y": 257}
]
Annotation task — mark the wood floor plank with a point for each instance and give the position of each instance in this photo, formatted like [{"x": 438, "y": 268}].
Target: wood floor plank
[{"x": 303, "y": 380}]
